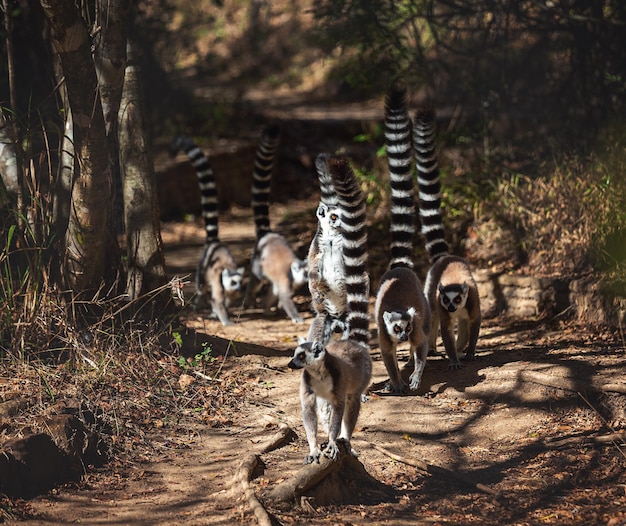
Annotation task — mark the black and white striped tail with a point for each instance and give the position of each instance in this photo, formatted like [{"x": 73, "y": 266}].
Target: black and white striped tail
[
  {"x": 262, "y": 178},
  {"x": 327, "y": 190},
  {"x": 206, "y": 180},
  {"x": 353, "y": 214},
  {"x": 429, "y": 184},
  {"x": 398, "y": 143}
]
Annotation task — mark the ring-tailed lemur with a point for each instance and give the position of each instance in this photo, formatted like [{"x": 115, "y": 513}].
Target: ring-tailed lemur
[
  {"x": 327, "y": 268},
  {"x": 449, "y": 286},
  {"x": 217, "y": 273},
  {"x": 336, "y": 375},
  {"x": 455, "y": 303},
  {"x": 401, "y": 310},
  {"x": 273, "y": 259}
]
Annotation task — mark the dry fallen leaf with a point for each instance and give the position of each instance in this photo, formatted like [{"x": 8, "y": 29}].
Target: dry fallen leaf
[{"x": 185, "y": 380}]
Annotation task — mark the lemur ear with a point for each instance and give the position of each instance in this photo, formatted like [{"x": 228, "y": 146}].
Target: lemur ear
[
  {"x": 464, "y": 288},
  {"x": 386, "y": 316},
  {"x": 317, "y": 348},
  {"x": 441, "y": 287},
  {"x": 301, "y": 340},
  {"x": 411, "y": 312}
]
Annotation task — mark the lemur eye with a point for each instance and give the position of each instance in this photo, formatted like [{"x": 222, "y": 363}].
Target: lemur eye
[
  {"x": 457, "y": 299},
  {"x": 445, "y": 299},
  {"x": 334, "y": 217},
  {"x": 301, "y": 356},
  {"x": 397, "y": 329}
]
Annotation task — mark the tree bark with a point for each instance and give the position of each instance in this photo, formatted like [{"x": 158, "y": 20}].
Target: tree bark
[
  {"x": 67, "y": 160},
  {"x": 146, "y": 262},
  {"x": 110, "y": 38},
  {"x": 85, "y": 238},
  {"x": 8, "y": 156}
]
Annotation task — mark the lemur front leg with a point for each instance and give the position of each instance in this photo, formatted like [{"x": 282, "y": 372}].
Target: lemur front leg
[
  {"x": 309, "y": 417},
  {"x": 338, "y": 407},
  {"x": 447, "y": 335}
]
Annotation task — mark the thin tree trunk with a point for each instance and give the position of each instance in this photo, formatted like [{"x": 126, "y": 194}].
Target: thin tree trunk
[
  {"x": 110, "y": 36},
  {"x": 67, "y": 160},
  {"x": 110, "y": 57},
  {"x": 86, "y": 235},
  {"x": 146, "y": 262},
  {"x": 8, "y": 156},
  {"x": 14, "y": 179}
]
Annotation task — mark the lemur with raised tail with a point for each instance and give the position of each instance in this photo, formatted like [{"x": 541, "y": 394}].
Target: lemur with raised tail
[
  {"x": 335, "y": 375},
  {"x": 217, "y": 274},
  {"x": 449, "y": 286},
  {"x": 401, "y": 310},
  {"x": 273, "y": 261},
  {"x": 327, "y": 268}
]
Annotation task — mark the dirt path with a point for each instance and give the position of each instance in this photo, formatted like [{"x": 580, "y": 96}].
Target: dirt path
[{"x": 529, "y": 419}]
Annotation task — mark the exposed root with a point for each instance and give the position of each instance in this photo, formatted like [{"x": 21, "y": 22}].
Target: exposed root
[
  {"x": 340, "y": 481},
  {"x": 250, "y": 464}
]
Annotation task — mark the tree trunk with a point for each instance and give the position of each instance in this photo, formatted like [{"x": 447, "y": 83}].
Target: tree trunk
[
  {"x": 110, "y": 36},
  {"x": 146, "y": 262},
  {"x": 110, "y": 57},
  {"x": 8, "y": 156},
  {"x": 86, "y": 235},
  {"x": 67, "y": 161}
]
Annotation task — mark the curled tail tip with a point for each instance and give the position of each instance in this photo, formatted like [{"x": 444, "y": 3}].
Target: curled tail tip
[
  {"x": 180, "y": 142},
  {"x": 340, "y": 168},
  {"x": 272, "y": 130},
  {"x": 425, "y": 114},
  {"x": 321, "y": 161},
  {"x": 396, "y": 96}
]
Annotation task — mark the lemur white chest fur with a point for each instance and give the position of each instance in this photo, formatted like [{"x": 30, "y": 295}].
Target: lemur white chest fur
[
  {"x": 332, "y": 269},
  {"x": 320, "y": 381},
  {"x": 327, "y": 274}
]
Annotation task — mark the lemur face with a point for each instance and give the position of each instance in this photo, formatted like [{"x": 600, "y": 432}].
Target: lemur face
[
  {"x": 306, "y": 354},
  {"x": 299, "y": 272},
  {"x": 328, "y": 217},
  {"x": 398, "y": 325},
  {"x": 232, "y": 279},
  {"x": 453, "y": 297}
]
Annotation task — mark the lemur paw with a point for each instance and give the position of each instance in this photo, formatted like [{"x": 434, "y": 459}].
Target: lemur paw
[
  {"x": 470, "y": 357},
  {"x": 313, "y": 457},
  {"x": 396, "y": 389},
  {"x": 331, "y": 451},
  {"x": 453, "y": 366},
  {"x": 414, "y": 383}
]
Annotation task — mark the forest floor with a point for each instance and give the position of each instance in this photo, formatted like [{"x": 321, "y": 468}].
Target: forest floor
[{"x": 530, "y": 433}]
